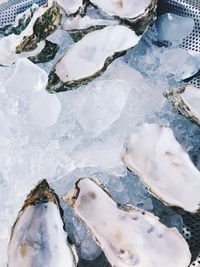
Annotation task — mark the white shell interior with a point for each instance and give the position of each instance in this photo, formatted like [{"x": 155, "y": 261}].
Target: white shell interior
[
  {"x": 123, "y": 8},
  {"x": 88, "y": 56},
  {"x": 81, "y": 23},
  {"x": 154, "y": 154},
  {"x": 70, "y": 6},
  {"x": 191, "y": 97},
  {"x": 39, "y": 239},
  {"x": 128, "y": 238}
]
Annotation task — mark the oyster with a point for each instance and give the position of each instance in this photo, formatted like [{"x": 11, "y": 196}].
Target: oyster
[
  {"x": 127, "y": 235},
  {"x": 186, "y": 101},
  {"x": 38, "y": 237},
  {"x": 80, "y": 26},
  {"x": 72, "y": 7},
  {"x": 30, "y": 41},
  {"x": 163, "y": 166},
  {"x": 137, "y": 13},
  {"x": 89, "y": 57}
]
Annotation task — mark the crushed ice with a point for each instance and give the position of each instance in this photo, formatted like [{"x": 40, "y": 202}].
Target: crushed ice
[{"x": 49, "y": 136}]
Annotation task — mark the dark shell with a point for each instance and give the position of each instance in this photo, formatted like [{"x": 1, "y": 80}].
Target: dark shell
[
  {"x": 56, "y": 85},
  {"x": 43, "y": 27},
  {"x": 48, "y": 53},
  {"x": 174, "y": 96}
]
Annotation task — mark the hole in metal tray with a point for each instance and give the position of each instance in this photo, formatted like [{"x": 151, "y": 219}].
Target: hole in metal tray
[
  {"x": 11, "y": 8},
  {"x": 185, "y": 8}
]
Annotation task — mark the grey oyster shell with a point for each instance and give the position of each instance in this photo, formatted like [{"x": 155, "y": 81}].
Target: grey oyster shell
[
  {"x": 43, "y": 27},
  {"x": 168, "y": 171},
  {"x": 139, "y": 21},
  {"x": 129, "y": 236},
  {"x": 38, "y": 237},
  {"x": 65, "y": 76},
  {"x": 187, "y": 101},
  {"x": 30, "y": 42},
  {"x": 79, "y": 26}
]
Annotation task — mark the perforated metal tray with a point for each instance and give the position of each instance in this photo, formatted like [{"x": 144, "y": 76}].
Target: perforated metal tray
[
  {"x": 10, "y": 9},
  {"x": 185, "y": 8}
]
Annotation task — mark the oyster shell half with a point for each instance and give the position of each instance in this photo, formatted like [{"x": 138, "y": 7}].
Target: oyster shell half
[
  {"x": 80, "y": 26},
  {"x": 128, "y": 236},
  {"x": 30, "y": 41},
  {"x": 38, "y": 237},
  {"x": 73, "y": 7},
  {"x": 154, "y": 154},
  {"x": 89, "y": 57},
  {"x": 137, "y": 13},
  {"x": 187, "y": 101}
]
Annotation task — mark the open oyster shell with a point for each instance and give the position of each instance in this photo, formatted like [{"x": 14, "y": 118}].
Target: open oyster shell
[
  {"x": 154, "y": 154},
  {"x": 187, "y": 101},
  {"x": 89, "y": 57},
  {"x": 30, "y": 41},
  {"x": 72, "y": 7},
  {"x": 127, "y": 235},
  {"x": 136, "y": 13},
  {"x": 38, "y": 237},
  {"x": 79, "y": 26}
]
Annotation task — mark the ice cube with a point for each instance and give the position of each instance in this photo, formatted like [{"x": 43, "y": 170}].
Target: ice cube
[
  {"x": 44, "y": 108},
  {"x": 170, "y": 65},
  {"x": 26, "y": 77},
  {"x": 178, "y": 63},
  {"x": 100, "y": 105},
  {"x": 174, "y": 28},
  {"x": 100, "y": 154}
]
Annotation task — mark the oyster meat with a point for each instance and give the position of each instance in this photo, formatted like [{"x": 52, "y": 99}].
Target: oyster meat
[
  {"x": 38, "y": 237},
  {"x": 89, "y": 57},
  {"x": 30, "y": 41},
  {"x": 137, "y": 13},
  {"x": 187, "y": 101},
  {"x": 79, "y": 26},
  {"x": 154, "y": 154},
  {"x": 127, "y": 235}
]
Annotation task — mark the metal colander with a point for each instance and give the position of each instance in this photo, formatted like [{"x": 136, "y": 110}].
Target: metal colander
[
  {"x": 185, "y": 8},
  {"x": 10, "y": 9}
]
